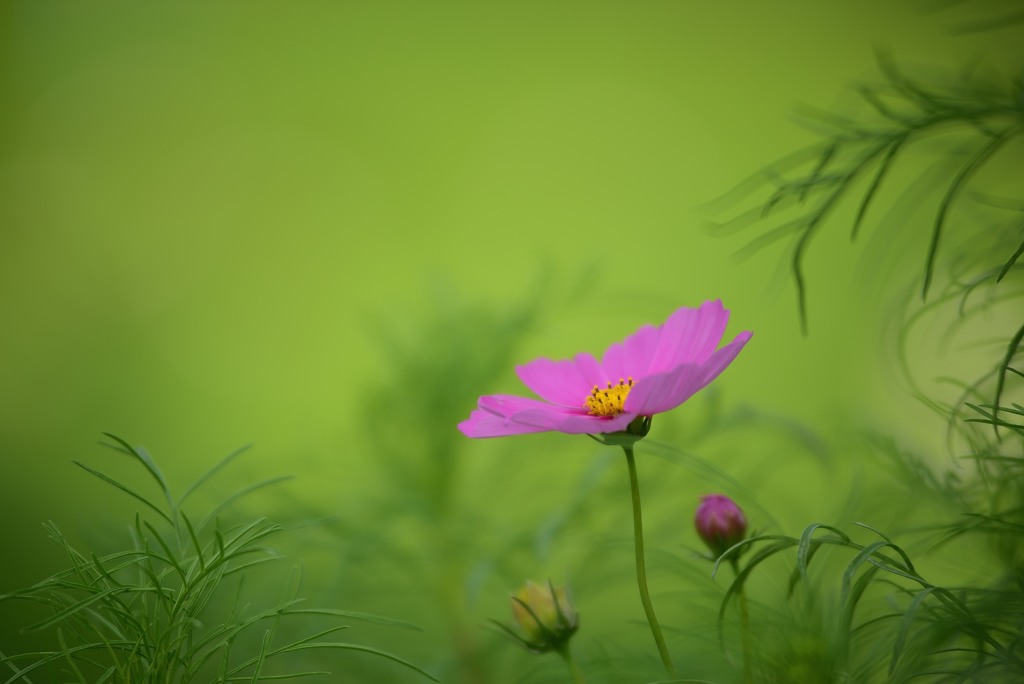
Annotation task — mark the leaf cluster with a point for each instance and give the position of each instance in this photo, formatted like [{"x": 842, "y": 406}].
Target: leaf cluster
[
  {"x": 856, "y": 157},
  {"x": 933, "y": 630},
  {"x": 155, "y": 612}
]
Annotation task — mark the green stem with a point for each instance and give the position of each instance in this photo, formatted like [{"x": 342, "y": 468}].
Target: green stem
[
  {"x": 744, "y": 627},
  {"x": 574, "y": 669},
  {"x": 641, "y": 568}
]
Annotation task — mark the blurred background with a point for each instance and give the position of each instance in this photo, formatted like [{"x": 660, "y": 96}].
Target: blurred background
[{"x": 326, "y": 228}]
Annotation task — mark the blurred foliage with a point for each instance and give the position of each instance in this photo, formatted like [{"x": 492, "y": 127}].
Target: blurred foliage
[
  {"x": 969, "y": 631},
  {"x": 976, "y": 117},
  {"x": 175, "y": 607},
  {"x": 202, "y": 207}
]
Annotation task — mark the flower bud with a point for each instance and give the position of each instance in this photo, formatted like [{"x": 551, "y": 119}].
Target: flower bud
[
  {"x": 720, "y": 523},
  {"x": 544, "y": 616}
]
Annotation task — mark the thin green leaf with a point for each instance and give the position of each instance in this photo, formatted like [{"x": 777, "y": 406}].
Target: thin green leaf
[
  {"x": 823, "y": 210},
  {"x": 290, "y": 675},
  {"x": 803, "y": 551},
  {"x": 741, "y": 577},
  {"x": 123, "y": 488},
  {"x": 852, "y": 597},
  {"x": 354, "y": 647},
  {"x": 1011, "y": 351},
  {"x": 963, "y": 175},
  {"x": 171, "y": 560},
  {"x": 823, "y": 161},
  {"x": 47, "y": 657},
  {"x": 736, "y": 548},
  {"x": 238, "y": 495},
  {"x": 876, "y": 182},
  {"x": 149, "y": 463},
  {"x": 908, "y": 564},
  {"x": 356, "y": 615},
  {"x": 854, "y": 565},
  {"x": 195, "y": 542},
  {"x": 262, "y": 657},
  {"x": 908, "y": 619},
  {"x": 245, "y": 566},
  {"x": 212, "y": 471},
  {"x": 1009, "y": 264},
  {"x": 106, "y": 675},
  {"x": 81, "y": 605}
]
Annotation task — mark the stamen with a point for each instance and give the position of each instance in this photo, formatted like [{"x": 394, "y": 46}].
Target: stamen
[{"x": 610, "y": 401}]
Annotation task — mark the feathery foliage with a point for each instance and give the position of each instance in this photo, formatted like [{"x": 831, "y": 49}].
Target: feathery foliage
[{"x": 182, "y": 604}]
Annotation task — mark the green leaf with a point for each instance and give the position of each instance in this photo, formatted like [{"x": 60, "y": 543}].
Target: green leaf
[
  {"x": 1011, "y": 351},
  {"x": 804, "y": 552},
  {"x": 908, "y": 620},
  {"x": 147, "y": 461},
  {"x": 126, "y": 490},
  {"x": 1013, "y": 259},
  {"x": 212, "y": 471},
  {"x": 238, "y": 495},
  {"x": 978, "y": 160},
  {"x": 81, "y": 605}
]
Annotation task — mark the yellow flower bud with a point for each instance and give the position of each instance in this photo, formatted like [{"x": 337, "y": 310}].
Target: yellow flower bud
[{"x": 545, "y": 616}]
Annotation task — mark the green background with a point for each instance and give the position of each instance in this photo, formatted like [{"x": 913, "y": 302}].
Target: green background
[{"x": 278, "y": 223}]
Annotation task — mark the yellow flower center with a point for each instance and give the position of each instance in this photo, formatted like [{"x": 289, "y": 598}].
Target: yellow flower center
[{"x": 608, "y": 401}]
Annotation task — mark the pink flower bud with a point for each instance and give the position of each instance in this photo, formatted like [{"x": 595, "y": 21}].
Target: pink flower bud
[{"x": 720, "y": 523}]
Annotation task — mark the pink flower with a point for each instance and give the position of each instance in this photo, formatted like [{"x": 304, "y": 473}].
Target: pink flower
[
  {"x": 654, "y": 370},
  {"x": 720, "y": 523}
]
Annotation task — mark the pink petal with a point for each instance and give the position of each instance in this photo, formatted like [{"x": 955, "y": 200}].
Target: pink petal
[
  {"x": 559, "y": 382},
  {"x": 664, "y": 391},
  {"x": 689, "y": 336},
  {"x": 492, "y": 418},
  {"x": 592, "y": 372},
  {"x": 501, "y": 415},
  {"x": 566, "y": 383},
  {"x": 485, "y": 424},
  {"x": 721, "y": 359},
  {"x": 546, "y": 416},
  {"x": 573, "y": 423},
  {"x": 631, "y": 357}
]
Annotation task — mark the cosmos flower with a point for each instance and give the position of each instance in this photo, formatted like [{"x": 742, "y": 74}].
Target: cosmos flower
[
  {"x": 720, "y": 523},
  {"x": 652, "y": 371}
]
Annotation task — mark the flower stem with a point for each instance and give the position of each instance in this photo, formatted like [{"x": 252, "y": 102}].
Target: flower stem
[
  {"x": 744, "y": 626},
  {"x": 574, "y": 669},
  {"x": 641, "y": 568}
]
